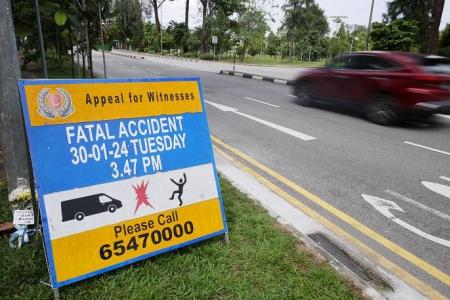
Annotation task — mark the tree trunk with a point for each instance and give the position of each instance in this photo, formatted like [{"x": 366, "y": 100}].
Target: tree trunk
[
  {"x": 90, "y": 64},
  {"x": 158, "y": 25},
  {"x": 84, "y": 62},
  {"x": 244, "y": 50},
  {"x": 72, "y": 64},
  {"x": 433, "y": 28},
  {"x": 203, "y": 35},
  {"x": 57, "y": 50}
]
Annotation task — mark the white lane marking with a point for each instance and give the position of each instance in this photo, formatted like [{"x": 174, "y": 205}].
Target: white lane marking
[
  {"x": 283, "y": 129},
  {"x": 419, "y": 205},
  {"x": 428, "y": 148},
  {"x": 383, "y": 206},
  {"x": 290, "y": 95},
  {"x": 445, "y": 178},
  {"x": 259, "y": 101},
  {"x": 441, "y": 189},
  {"x": 444, "y": 116}
]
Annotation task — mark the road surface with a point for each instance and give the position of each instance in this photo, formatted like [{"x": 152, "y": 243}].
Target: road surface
[{"x": 339, "y": 157}]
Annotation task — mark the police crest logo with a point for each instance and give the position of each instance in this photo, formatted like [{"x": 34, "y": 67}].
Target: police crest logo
[{"x": 51, "y": 105}]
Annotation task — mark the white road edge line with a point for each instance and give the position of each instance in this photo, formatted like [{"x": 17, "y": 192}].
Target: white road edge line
[
  {"x": 418, "y": 204},
  {"x": 290, "y": 95},
  {"x": 444, "y": 178},
  {"x": 259, "y": 101},
  {"x": 283, "y": 129},
  {"x": 428, "y": 148}
]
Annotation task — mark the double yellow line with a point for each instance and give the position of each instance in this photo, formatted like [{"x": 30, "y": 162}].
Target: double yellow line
[{"x": 428, "y": 291}]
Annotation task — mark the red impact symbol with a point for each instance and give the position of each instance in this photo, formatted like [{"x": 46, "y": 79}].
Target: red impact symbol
[{"x": 141, "y": 195}]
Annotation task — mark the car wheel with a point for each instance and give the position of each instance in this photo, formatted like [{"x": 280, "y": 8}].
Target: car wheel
[
  {"x": 79, "y": 216},
  {"x": 303, "y": 93},
  {"x": 382, "y": 110},
  {"x": 112, "y": 208}
]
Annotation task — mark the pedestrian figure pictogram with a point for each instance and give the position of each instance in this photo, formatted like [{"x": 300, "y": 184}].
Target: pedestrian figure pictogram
[{"x": 180, "y": 185}]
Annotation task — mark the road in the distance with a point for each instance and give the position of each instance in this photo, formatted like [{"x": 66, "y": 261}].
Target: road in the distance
[{"x": 335, "y": 155}]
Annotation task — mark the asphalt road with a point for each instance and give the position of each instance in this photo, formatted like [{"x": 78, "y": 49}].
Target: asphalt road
[{"x": 336, "y": 155}]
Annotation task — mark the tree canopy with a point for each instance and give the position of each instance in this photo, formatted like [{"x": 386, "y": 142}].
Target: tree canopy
[{"x": 398, "y": 35}]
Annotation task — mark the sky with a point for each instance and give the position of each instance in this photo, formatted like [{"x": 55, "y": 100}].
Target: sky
[{"x": 357, "y": 11}]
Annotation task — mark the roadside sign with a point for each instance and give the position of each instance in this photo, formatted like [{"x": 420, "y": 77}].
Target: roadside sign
[
  {"x": 124, "y": 170},
  {"x": 214, "y": 39}
]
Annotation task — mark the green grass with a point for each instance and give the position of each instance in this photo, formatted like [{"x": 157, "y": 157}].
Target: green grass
[
  {"x": 63, "y": 71},
  {"x": 262, "y": 262},
  {"x": 55, "y": 70},
  {"x": 269, "y": 60}
]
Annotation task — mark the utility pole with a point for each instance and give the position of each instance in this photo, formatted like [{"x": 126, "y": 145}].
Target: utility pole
[
  {"x": 86, "y": 32},
  {"x": 101, "y": 39},
  {"x": 12, "y": 134},
  {"x": 369, "y": 26},
  {"x": 161, "y": 34}
]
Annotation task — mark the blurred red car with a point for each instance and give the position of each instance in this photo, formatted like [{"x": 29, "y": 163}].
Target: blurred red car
[{"x": 386, "y": 86}]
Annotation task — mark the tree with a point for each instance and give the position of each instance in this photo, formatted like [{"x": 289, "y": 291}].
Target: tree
[
  {"x": 303, "y": 21},
  {"x": 273, "y": 44},
  {"x": 150, "y": 40},
  {"x": 435, "y": 22},
  {"x": 444, "y": 42},
  {"x": 341, "y": 42},
  {"x": 203, "y": 33},
  {"x": 358, "y": 37},
  {"x": 177, "y": 32},
  {"x": 186, "y": 25},
  {"x": 64, "y": 24},
  {"x": 193, "y": 40},
  {"x": 156, "y": 5},
  {"x": 128, "y": 19},
  {"x": 221, "y": 22},
  {"x": 252, "y": 25},
  {"x": 427, "y": 14},
  {"x": 399, "y": 35}
]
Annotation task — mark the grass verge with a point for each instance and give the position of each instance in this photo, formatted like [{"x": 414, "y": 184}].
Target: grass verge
[
  {"x": 269, "y": 60},
  {"x": 262, "y": 261}
]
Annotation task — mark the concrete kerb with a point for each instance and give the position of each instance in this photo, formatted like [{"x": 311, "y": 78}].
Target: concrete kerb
[
  {"x": 258, "y": 77},
  {"x": 143, "y": 54},
  {"x": 170, "y": 57},
  {"x": 301, "y": 226},
  {"x": 125, "y": 55}
]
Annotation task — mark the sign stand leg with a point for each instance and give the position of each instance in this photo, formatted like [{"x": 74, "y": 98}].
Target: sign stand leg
[
  {"x": 55, "y": 293},
  {"x": 226, "y": 238}
]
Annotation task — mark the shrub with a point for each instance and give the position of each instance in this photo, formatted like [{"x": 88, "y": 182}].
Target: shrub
[
  {"x": 206, "y": 56},
  {"x": 189, "y": 55}
]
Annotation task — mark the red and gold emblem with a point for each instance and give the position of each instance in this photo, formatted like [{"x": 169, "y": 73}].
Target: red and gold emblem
[{"x": 56, "y": 104}]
